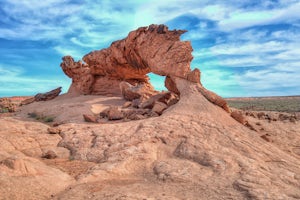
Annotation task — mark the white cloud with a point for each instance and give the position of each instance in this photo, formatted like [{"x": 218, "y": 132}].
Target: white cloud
[
  {"x": 64, "y": 51},
  {"x": 265, "y": 82},
  {"x": 246, "y": 18},
  {"x": 213, "y": 12},
  {"x": 268, "y": 80},
  {"x": 288, "y": 67},
  {"x": 250, "y": 48}
]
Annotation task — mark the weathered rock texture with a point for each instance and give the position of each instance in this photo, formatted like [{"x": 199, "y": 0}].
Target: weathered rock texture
[
  {"x": 148, "y": 49},
  {"x": 6, "y": 105},
  {"x": 130, "y": 60},
  {"x": 47, "y": 95},
  {"x": 194, "y": 150},
  {"x": 43, "y": 96}
]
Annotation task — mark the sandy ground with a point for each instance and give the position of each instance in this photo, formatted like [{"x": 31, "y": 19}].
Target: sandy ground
[{"x": 67, "y": 109}]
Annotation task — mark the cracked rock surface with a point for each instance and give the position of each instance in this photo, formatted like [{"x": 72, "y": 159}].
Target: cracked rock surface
[{"x": 194, "y": 150}]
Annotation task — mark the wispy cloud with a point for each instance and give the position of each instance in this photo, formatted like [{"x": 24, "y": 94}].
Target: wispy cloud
[{"x": 14, "y": 82}]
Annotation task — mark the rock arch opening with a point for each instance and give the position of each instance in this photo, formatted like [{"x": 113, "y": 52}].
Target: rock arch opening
[{"x": 157, "y": 81}]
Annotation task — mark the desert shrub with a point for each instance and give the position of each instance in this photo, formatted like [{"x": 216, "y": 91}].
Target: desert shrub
[
  {"x": 48, "y": 119},
  {"x": 267, "y": 104},
  {"x": 32, "y": 115},
  {"x": 71, "y": 158},
  {"x": 4, "y": 110}
]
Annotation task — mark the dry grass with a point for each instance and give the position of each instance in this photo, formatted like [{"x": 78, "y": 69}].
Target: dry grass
[{"x": 280, "y": 104}]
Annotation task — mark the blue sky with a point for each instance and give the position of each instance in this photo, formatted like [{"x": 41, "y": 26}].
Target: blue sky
[{"x": 243, "y": 48}]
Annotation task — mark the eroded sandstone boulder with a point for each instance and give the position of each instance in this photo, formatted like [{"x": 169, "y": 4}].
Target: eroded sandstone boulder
[
  {"x": 43, "y": 96},
  {"x": 147, "y": 49},
  {"x": 47, "y": 95},
  {"x": 238, "y": 116},
  {"x": 131, "y": 92},
  {"x": 122, "y": 68},
  {"x": 89, "y": 118},
  {"x": 214, "y": 98}
]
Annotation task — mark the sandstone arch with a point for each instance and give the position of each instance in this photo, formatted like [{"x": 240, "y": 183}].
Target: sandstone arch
[{"x": 148, "y": 49}]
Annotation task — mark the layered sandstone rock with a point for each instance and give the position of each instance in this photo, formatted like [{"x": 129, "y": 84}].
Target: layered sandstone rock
[
  {"x": 47, "y": 95},
  {"x": 148, "y": 49},
  {"x": 43, "y": 96},
  {"x": 131, "y": 92},
  {"x": 130, "y": 60}
]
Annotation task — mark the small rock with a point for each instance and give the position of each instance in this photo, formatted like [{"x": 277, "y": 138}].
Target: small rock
[
  {"x": 89, "y": 118},
  {"x": 250, "y": 126},
  {"x": 126, "y": 104},
  {"x": 147, "y": 104},
  {"x": 131, "y": 113},
  {"x": 238, "y": 116},
  {"x": 104, "y": 113},
  {"x": 136, "y": 117},
  {"x": 115, "y": 114},
  {"x": 260, "y": 115},
  {"x": 172, "y": 100},
  {"x": 9, "y": 162},
  {"x": 128, "y": 92},
  {"x": 54, "y": 130},
  {"x": 131, "y": 92},
  {"x": 168, "y": 98},
  {"x": 57, "y": 124},
  {"x": 135, "y": 103},
  {"x": 152, "y": 114},
  {"x": 283, "y": 117},
  {"x": 159, "y": 107},
  {"x": 265, "y": 138},
  {"x": 49, "y": 155}
]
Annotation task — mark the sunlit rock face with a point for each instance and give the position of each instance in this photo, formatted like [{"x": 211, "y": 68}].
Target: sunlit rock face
[{"x": 148, "y": 49}]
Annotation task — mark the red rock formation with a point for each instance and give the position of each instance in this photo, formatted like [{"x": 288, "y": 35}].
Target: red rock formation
[
  {"x": 130, "y": 92},
  {"x": 214, "y": 98},
  {"x": 194, "y": 76},
  {"x": 47, "y": 95},
  {"x": 148, "y": 49},
  {"x": 89, "y": 118},
  {"x": 82, "y": 79},
  {"x": 43, "y": 96},
  {"x": 238, "y": 116},
  {"x": 130, "y": 60},
  {"x": 171, "y": 86}
]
